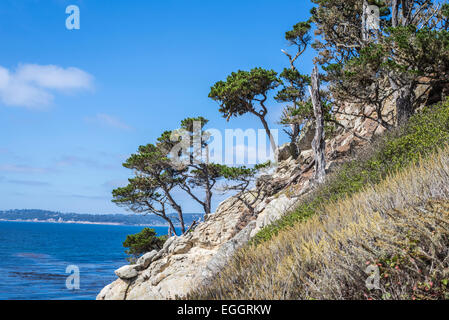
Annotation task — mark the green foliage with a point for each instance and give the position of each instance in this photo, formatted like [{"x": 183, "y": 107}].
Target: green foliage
[
  {"x": 241, "y": 90},
  {"x": 155, "y": 176},
  {"x": 143, "y": 242},
  {"x": 188, "y": 124},
  {"x": 296, "y": 90},
  {"x": 262, "y": 166},
  {"x": 237, "y": 173},
  {"x": 299, "y": 35},
  {"x": 445, "y": 10},
  {"x": 420, "y": 52},
  {"x": 425, "y": 132}
]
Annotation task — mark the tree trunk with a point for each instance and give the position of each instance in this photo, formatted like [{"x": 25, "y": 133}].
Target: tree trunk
[
  {"x": 365, "y": 31},
  {"x": 178, "y": 209},
  {"x": 207, "y": 202},
  {"x": 407, "y": 6},
  {"x": 181, "y": 220},
  {"x": 404, "y": 104},
  {"x": 395, "y": 13},
  {"x": 267, "y": 130},
  {"x": 171, "y": 228},
  {"x": 319, "y": 143}
]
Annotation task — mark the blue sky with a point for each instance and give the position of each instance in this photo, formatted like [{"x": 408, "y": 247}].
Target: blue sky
[{"x": 74, "y": 104}]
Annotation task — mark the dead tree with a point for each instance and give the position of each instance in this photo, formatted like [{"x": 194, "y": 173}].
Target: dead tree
[{"x": 319, "y": 143}]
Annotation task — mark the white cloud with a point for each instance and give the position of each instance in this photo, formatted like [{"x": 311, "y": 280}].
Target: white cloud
[
  {"x": 110, "y": 121},
  {"x": 32, "y": 86}
]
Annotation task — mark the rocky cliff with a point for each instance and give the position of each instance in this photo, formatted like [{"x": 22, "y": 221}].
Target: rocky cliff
[{"x": 186, "y": 261}]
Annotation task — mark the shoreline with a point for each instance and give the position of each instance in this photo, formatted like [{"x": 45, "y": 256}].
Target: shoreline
[{"x": 83, "y": 222}]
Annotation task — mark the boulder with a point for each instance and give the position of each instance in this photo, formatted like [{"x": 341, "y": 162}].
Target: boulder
[
  {"x": 307, "y": 136},
  {"x": 114, "y": 291},
  {"x": 144, "y": 261},
  {"x": 284, "y": 152},
  {"x": 127, "y": 272}
]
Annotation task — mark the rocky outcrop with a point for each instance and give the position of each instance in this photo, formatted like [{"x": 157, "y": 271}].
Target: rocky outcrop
[
  {"x": 224, "y": 253},
  {"x": 144, "y": 261},
  {"x": 284, "y": 152},
  {"x": 127, "y": 272},
  {"x": 179, "y": 265},
  {"x": 306, "y": 137},
  {"x": 272, "y": 211},
  {"x": 187, "y": 261}
]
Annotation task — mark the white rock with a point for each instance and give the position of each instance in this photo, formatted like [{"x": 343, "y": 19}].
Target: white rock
[
  {"x": 173, "y": 269},
  {"x": 273, "y": 211},
  {"x": 127, "y": 272},
  {"x": 221, "y": 258},
  {"x": 144, "y": 261}
]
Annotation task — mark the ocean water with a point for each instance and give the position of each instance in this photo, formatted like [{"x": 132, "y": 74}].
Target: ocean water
[{"x": 34, "y": 258}]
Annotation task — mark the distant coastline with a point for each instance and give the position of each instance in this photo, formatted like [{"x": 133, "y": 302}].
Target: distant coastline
[
  {"x": 78, "y": 222},
  {"x": 43, "y": 216}
]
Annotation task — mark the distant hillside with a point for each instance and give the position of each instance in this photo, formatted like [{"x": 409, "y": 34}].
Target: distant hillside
[{"x": 121, "y": 219}]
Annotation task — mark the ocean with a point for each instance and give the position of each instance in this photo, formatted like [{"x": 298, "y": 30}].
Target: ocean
[{"x": 34, "y": 258}]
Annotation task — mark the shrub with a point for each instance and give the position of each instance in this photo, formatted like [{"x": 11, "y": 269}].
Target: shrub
[{"x": 143, "y": 242}]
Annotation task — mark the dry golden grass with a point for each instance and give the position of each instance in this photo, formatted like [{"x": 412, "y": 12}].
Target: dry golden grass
[{"x": 400, "y": 226}]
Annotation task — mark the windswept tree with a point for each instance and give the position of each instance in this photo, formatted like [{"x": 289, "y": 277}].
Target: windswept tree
[
  {"x": 293, "y": 92},
  {"x": 359, "y": 82},
  {"x": 198, "y": 173},
  {"x": 152, "y": 190},
  {"x": 415, "y": 55},
  {"x": 409, "y": 49},
  {"x": 178, "y": 161},
  {"x": 246, "y": 92}
]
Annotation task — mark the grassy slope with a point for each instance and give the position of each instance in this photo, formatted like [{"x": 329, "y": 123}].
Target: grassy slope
[
  {"x": 389, "y": 208},
  {"x": 393, "y": 151}
]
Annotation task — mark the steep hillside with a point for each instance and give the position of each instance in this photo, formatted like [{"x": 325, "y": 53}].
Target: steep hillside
[
  {"x": 236, "y": 254},
  {"x": 382, "y": 219}
]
